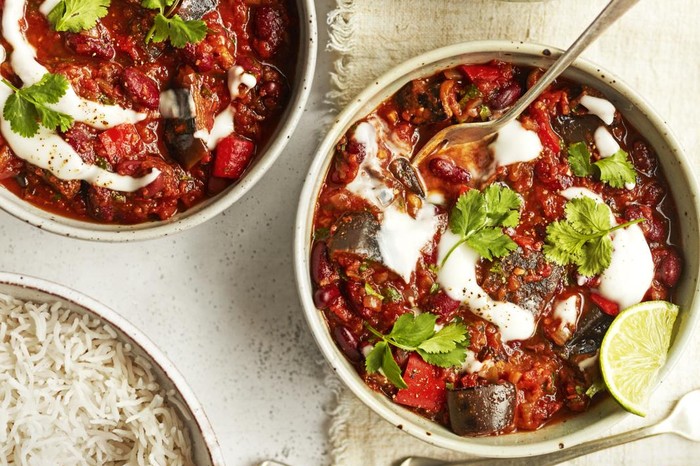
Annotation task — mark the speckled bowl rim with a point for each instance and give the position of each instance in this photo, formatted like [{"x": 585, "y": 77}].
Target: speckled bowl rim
[
  {"x": 604, "y": 415},
  {"x": 306, "y": 65},
  {"x": 75, "y": 299}
]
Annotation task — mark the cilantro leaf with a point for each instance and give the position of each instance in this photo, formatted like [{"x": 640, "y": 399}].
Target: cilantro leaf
[
  {"x": 617, "y": 170},
  {"x": 598, "y": 386},
  {"x": 392, "y": 294},
  {"x": 502, "y": 206},
  {"x": 445, "y": 340},
  {"x": 27, "y": 107},
  {"x": 452, "y": 358},
  {"x": 583, "y": 238},
  {"x": 77, "y": 15},
  {"x": 479, "y": 218},
  {"x": 178, "y": 31},
  {"x": 580, "y": 159},
  {"x": 157, "y": 4},
  {"x": 445, "y": 348}
]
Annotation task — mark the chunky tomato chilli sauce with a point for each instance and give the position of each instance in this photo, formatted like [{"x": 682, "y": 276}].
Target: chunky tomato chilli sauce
[
  {"x": 475, "y": 289},
  {"x": 166, "y": 105}
]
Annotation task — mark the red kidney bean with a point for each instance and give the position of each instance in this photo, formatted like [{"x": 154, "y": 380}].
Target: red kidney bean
[
  {"x": 653, "y": 193},
  {"x": 321, "y": 269},
  {"x": 654, "y": 228},
  {"x": 347, "y": 343},
  {"x": 669, "y": 266},
  {"x": 141, "y": 88},
  {"x": 324, "y": 296},
  {"x": 505, "y": 97},
  {"x": 446, "y": 170},
  {"x": 443, "y": 305},
  {"x": 643, "y": 158}
]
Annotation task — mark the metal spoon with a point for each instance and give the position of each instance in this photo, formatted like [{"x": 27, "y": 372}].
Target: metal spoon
[
  {"x": 682, "y": 421},
  {"x": 466, "y": 133}
]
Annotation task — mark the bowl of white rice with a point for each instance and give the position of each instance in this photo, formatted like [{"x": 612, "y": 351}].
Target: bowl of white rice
[{"x": 81, "y": 385}]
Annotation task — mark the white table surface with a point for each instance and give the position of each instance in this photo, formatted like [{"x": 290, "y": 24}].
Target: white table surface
[{"x": 220, "y": 301}]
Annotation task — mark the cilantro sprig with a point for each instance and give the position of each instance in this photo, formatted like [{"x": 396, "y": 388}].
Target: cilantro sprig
[
  {"x": 479, "y": 218},
  {"x": 444, "y": 348},
  {"x": 169, "y": 26},
  {"x": 616, "y": 170},
  {"x": 583, "y": 238},
  {"x": 77, "y": 15},
  {"x": 27, "y": 108}
]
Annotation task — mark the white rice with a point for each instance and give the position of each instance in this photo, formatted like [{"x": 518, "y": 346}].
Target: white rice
[{"x": 71, "y": 393}]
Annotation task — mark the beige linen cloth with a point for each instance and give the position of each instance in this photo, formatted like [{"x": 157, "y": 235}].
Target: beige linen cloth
[{"x": 655, "y": 48}]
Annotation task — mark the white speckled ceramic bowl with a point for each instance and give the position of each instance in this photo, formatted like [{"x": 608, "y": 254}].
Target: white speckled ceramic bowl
[
  {"x": 675, "y": 165},
  {"x": 306, "y": 65},
  {"x": 205, "y": 448}
]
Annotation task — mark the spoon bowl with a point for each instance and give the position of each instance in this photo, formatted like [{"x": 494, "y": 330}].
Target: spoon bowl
[{"x": 481, "y": 133}]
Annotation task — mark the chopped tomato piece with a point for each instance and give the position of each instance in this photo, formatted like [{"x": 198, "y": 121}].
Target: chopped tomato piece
[
  {"x": 609, "y": 307},
  {"x": 426, "y": 389},
  {"x": 547, "y": 135},
  {"x": 232, "y": 156},
  {"x": 481, "y": 72},
  {"x": 119, "y": 142}
]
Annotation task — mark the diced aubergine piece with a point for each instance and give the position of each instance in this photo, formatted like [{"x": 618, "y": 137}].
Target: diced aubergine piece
[
  {"x": 481, "y": 410},
  {"x": 574, "y": 128},
  {"x": 589, "y": 333},
  {"x": 195, "y": 9},
  {"x": 183, "y": 145},
  {"x": 356, "y": 233},
  {"x": 406, "y": 173}
]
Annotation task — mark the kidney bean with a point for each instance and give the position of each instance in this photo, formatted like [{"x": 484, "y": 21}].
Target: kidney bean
[
  {"x": 643, "y": 158},
  {"x": 654, "y": 228},
  {"x": 347, "y": 343},
  {"x": 321, "y": 269},
  {"x": 653, "y": 193},
  {"x": 141, "y": 88},
  {"x": 505, "y": 97},
  {"x": 443, "y": 305},
  {"x": 324, "y": 296},
  {"x": 668, "y": 266},
  {"x": 447, "y": 171}
]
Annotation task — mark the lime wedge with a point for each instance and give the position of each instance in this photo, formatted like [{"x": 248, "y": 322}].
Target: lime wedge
[{"x": 634, "y": 349}]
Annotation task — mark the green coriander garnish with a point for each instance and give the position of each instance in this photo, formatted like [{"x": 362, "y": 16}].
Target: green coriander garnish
[
  {"x": 168, "y": 26},
  {"x": 77, "y": 15},
  {"x": 583, "y": 238},
  {"x": 444, "y": 348},
  {"x": 28, "y": 107},
  {"x": 479, "y": 218},
  {"x": 616, "y": 170}
]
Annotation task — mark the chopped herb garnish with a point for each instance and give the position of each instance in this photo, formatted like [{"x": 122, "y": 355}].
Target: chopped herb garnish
[
  {"x": 616, "y": 170},
  {"x": 479, "y": 218},
  {"x": 372, "y": 292},
  {"x": 321, "y": 233},
  {"x": 484, "y": 112},
  {"x": 444, "y": 348},
  {"x": 583, "y": 238},
  {"x": 168, "y": 26},
  {"x": 77, "y": 15},
  {"x": 434, "y": 288},
  {"x": 28, "y": 107},
  {"x": 596, "y": 387},
  {"x": 392, "y": 294}
]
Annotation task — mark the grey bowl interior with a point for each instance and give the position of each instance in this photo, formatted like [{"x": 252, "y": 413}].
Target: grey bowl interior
[
  {"x": 205, "y": 448},
  {"x": 675, "y": 166},
  {"x": 302, "y": 80}
]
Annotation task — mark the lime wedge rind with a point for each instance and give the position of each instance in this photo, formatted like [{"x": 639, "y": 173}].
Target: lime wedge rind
[{"x": 634, "y": 350}]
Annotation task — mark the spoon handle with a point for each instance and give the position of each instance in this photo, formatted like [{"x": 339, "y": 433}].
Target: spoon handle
[{"x": 612, "y": 12}]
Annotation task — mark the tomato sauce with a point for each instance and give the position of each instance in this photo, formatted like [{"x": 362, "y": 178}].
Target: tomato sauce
[{"x": 552, "y": 370}]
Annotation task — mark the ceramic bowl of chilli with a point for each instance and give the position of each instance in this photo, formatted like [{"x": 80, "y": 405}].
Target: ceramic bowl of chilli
[
  {"x": 161, "y": 135},
  {"x": 67, "y": 318},
  {"x": 328, "y": 239}
]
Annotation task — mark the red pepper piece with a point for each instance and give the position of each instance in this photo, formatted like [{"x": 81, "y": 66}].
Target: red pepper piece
[
  {"x": 481, "y": 72},
  {"x": 232, "y": 156},
  {"x": 609, "y": 307},
  {"x": 426, "y": 388},
  {"x": 119, "y": 142}
]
